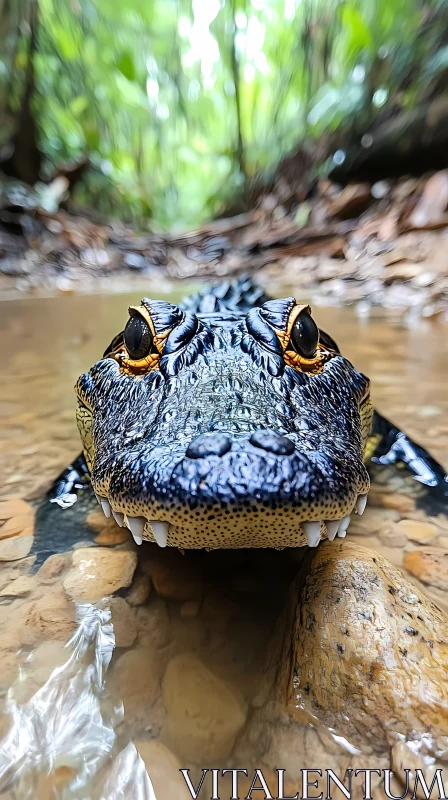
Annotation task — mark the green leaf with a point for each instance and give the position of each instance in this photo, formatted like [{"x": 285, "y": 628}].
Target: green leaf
[
  {"x": 78, "y": 105},
  {"x": 92, "y": 137},
  {"x": 359, "y": 37},
  {"x": 126, "y": 66}
]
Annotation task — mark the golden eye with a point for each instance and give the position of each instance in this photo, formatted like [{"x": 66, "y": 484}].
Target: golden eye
[
  {"x": 138, "y": 338},
  {"x": 304, "y": 335}
]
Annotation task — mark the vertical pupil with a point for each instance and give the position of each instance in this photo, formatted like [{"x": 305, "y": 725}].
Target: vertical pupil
[
  {"x": 136, "y": 333},
  {"x": 137, "y": 337}
]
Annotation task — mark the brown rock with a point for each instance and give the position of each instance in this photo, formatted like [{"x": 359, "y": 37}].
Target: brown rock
[
  {"x": 163, "y": 768},
  {"x": 429, "y": 566},
  {"x": 14, "y": 526},
  {"x": 15, "y": 548},
  {"x": 109, "y": 537},
  {"x": 173, "y": 575},
  {"x": 51, "y": 785},
  {"x": 400, "y": 502},
  {"x": 393, "y": 538},
  {"x": 107, "y": 530},
  {"x": 98, "y": 522},
  {"x": 20, "y": 587},
  {"x": 123, "y": 620},
  {"x": 204, "y": 716},
  {"x": 372, "y": 521},
  {"x": 431, "y": 206},
  {"x": 98, "y": 572},
  {"x": 53, "y": 616},
  {"x": 9, "y": 670},
  {"x": 139, "y": 591},
  {"x": 190, "y": 608},
  {"x": 364, "y": 643},
  {"x": 153, "y": 623},
  {"x": 404, "y": 755},
  {"x": 15, "y": 507},
  {"x": 53, "y": 567},
  {"x": 38, "y": 668},
  {"x": 416, "y": 531},
  {"x": 136, "y": 681}
]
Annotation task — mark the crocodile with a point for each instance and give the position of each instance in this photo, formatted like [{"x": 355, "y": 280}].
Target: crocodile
[{"x": 232, "y": 421}]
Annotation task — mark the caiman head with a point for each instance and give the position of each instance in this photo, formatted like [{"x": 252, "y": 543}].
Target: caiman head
[{"x": 215, "y": 424}]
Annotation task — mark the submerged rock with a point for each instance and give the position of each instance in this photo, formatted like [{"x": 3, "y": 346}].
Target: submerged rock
[
  {"x": 98, "y": 572},
  {"x": 136, "y": 682},
  {"x": 163, "y": 768},
  {"x": 12, "y": 549},
  {"x": 123, "y": 620},
  {"x": 174, "y": 576},
  {"x": 50, "y": 617},
  {"x": 429, "y": 565},
  {"x": 204, "y": 716}
]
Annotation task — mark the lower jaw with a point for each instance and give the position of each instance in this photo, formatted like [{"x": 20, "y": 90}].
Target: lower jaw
[{"x": 258, "y": 528}]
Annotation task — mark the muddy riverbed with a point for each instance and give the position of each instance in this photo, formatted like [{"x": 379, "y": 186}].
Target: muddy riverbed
[{"x": 178, "y": 672}]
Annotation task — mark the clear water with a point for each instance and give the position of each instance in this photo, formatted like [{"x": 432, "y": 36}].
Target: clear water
[{"x": 178, "y": 678}]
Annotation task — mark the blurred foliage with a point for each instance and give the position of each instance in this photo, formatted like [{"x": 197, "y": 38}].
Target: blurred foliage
[{"x": 179, "y": 103}]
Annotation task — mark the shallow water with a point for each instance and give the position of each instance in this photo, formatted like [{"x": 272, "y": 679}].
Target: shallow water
[{"x": 191, "y": 631}]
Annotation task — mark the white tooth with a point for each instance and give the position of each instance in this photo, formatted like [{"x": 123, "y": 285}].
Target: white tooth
[
  {"x": 136, "y": 525},
  {"x": 343, "y": 525},
  {"x": 361, "y": 503},
  {"x": 160, "y": 531},
  {"x": 118, "y": 517},
  {"x": 312, "y": 530},
  {"x": 97, "y": 499},
  {"x": 105, "y": 505},
  {"x": 332, "y": 528}
]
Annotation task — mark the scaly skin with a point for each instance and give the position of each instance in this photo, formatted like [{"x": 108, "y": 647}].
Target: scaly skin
[{"x": 179, "y": 437}]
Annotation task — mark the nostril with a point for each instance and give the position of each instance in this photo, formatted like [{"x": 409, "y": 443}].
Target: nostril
[
  {"x": 272, "y": 442},
  {"x": 209, "y": 444}
]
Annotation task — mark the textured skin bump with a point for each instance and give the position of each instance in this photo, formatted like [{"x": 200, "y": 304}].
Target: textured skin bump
[{"x": 222, "y": 380}]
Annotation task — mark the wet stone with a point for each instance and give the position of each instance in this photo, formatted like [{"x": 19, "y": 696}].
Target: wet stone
[
  {"x": 99, "y": 572},
  {"x": 173, "y": 575},
  {"x": 15, "y": 548},
  {"x": 53, "y": 567},
  {"x": 429, "y": 566},
  {"x": 204, "y": 716},
  {"x": 372, "y": 521},
  {"x": 399, "y": 502},
  {"x": 135, "y": 681},
  {"x": 110, "y": 537},
  {"x": 139, "y": 591},
  {"x": 15, "y": 526},
  {"x": 15, "y": 507},
  {"x": 163, "y": 768},
  {"x": 38, "y": 668},
  {"x": 123, "y": 620},
  {"x": 19, "y": 587},
  {"x": 360, "y": 617},
  {"x": 153, "y": 623},
  {"x": 190, "y": 608},
  {"x": 416, "y": 531},
  {"x": 52, "y": 616}
]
